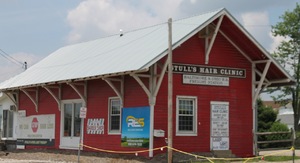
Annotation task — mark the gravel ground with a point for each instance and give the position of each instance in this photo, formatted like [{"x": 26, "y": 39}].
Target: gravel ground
[
  {"x": 64, "y": 156},
  {"x": 70, "y": 156}
]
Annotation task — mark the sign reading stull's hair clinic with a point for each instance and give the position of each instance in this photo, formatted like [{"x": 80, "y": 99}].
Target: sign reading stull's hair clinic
[
  {"x": 135, "y": 127},
  {"x": 37, "y": 130}
]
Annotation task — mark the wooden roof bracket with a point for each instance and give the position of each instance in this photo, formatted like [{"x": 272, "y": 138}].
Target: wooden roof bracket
[
  {"x": 82, "y": 96},
  {"x": 262, "y": 79},
  {"x": 35, "y": 100},
  {"x": 119, "y": 92},
  {"x": 14, "y": 97},
  {"x": 237, "y": 48},
  {"x": 154, "y": 84},
  {"x": 209, "y": 43},
  {"x": 56, "y": 98}
]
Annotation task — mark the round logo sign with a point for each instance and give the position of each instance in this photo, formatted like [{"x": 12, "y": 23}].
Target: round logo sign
[{"x": 34, "y": 124}]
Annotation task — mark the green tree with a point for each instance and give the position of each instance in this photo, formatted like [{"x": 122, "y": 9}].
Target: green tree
[
  {"x": 267, "y": 123},
  {"x": 266, "y": 117},
  {"x": 288, "y": 55}
]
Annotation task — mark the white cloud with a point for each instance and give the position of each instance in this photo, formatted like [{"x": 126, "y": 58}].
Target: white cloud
[
  {"x": 258, "y": 25},
  {"x": 276, "y": 41},
  {"x": 9, "y": 69},
  {"x": 92, "y": 19}
]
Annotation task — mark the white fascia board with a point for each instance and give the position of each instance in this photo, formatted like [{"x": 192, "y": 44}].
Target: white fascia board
[
  {"x": 188, "y": 36},
  {"x": 264, "y": 51}
]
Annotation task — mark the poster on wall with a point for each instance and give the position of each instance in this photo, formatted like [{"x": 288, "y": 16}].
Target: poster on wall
[
  {"x": 37, "y": 130},
  {"x": 95, "y": 126},
  {"x": 135, "y": 127},
  {"x": 219, "y": 125}
]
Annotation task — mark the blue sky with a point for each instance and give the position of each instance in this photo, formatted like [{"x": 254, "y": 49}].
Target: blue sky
[{"x": 32, "y": 29}]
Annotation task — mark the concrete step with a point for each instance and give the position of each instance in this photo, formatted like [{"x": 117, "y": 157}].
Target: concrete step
[
  {"x": 223, "y": 154},
  {"x": 2, "y": 146}
]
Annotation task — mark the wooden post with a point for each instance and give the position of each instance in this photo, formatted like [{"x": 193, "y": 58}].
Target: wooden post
[
  {"x": 170, "y": 95},
  {"x": 293, "y": 143}
]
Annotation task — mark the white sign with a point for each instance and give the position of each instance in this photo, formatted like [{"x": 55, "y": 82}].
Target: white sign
[
  {"x": 220, "y": 143},
  {"x": 219, "y": 120},
  {"x": 219, "y": 125},
  {"x": 22, "y": 113},
  {"x": 35, "y": 129},
  {"x": 205, "y": 80},
  {"x": 95, "y": 126},
  {"x": 83, "y": 112}
]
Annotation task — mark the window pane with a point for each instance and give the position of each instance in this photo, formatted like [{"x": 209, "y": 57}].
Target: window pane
[
  {"x": 10, "y": 123},
  {"x": 186, "y": 107},
  {"x": 115, "y": 115},
  {"x": 186, "y": 123},
  {"x": 115, "y": 123},
  {"x": 186, "y": 113},
  {"x": 115, "y": 106},
  {"x": 77, "y": 119},
  {"x": 5, "y": 123},
  {"x": 67, "y": 119}
]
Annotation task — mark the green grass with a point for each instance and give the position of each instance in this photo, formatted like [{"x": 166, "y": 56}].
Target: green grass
[{"x": 267, "y": 158}]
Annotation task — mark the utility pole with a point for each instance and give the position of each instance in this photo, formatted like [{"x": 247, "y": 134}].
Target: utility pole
[
  {"x": 25, "y": 65},
  {"x": 170, "y": 95}
]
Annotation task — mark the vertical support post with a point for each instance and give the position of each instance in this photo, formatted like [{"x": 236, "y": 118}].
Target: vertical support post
[
  {"x": 254, "y": 114},
  {"x": 170, "y": 95},
  {"x": 152, "y": 101},
  {"x": 82, "y": 115},
  {"x": 80, "y": 139},
  {"x": 293, "y": 137}
]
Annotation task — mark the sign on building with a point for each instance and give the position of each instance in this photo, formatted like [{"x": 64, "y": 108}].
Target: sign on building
[
  {"x": 95, "y": 126},
  {"x": 219, "y": 125},
  {"x": 37, "y": 130},
  {"x": 135, "y": 127},
  {"x": 205, "y": 80}
]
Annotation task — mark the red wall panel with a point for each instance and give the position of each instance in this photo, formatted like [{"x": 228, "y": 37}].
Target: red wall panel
[{"x": 238, "y": 94}]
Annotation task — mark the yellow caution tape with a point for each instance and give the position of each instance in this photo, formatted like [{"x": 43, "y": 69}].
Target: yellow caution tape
[{"x": 210, "y": 159}]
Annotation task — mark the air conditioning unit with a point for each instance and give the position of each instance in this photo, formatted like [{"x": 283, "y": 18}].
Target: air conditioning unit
[{"x": 12, "y": 108}]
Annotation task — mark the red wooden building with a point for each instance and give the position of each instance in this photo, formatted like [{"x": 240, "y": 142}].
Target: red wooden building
[{"x": 218, "y": 72}]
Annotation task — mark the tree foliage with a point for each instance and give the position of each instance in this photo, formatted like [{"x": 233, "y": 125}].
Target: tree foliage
[
  {"x": 266, "y": 117},
  {"x": 267, "y": 123},
  {"x": 288, "y": 55}
]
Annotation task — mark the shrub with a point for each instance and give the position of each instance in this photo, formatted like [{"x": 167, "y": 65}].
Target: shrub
[{"x": 277, "y": 127}]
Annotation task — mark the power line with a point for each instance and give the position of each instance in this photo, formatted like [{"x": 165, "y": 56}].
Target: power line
[{"x": 10, "y": 58}]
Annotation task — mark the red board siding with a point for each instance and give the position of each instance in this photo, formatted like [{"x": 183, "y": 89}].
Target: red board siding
[{"x": 238, "y": 94}]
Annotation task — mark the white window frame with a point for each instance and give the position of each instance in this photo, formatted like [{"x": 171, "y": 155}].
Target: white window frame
[
  {"x": 195, "y": 115},
  {"x": 113, "y": 132}
]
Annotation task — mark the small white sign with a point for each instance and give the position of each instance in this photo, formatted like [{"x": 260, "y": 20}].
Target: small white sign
[
  {"x": 205, "y": 80},
  {"x": 83, "y": 112},
  {"x": 220, "y": 143}
]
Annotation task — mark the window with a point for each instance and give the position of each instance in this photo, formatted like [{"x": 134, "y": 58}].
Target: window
[
  {"x": 7, "y": 123},
  {"x": 114, "y": 111},
  {"x": 186, "y": 115},
  {"x": 72, "y": 120}
]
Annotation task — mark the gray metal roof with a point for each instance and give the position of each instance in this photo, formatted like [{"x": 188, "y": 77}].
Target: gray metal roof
[
  {"x": 134, "y": 51},
  {"x": 114, "y": 55}
]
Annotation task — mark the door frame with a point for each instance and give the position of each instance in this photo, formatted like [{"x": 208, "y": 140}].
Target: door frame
[{"x": 63, "y": 102}]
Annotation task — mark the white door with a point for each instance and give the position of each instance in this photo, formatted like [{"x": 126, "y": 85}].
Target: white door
[{"x": 70, "y": 125}]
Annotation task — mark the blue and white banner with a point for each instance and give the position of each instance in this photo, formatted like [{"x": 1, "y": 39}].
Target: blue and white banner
[{"x": 135, "y": 127}]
